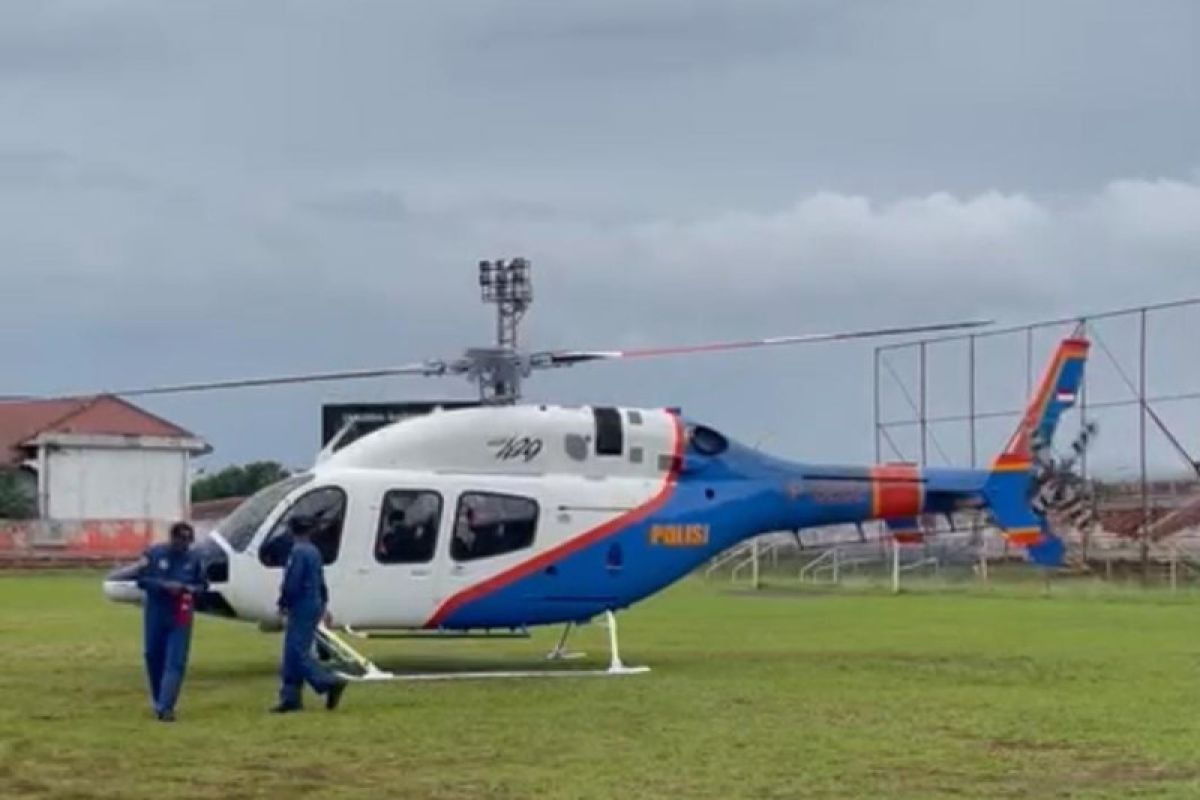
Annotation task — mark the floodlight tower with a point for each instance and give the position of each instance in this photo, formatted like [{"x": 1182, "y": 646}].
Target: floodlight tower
[{"x": 509, "y": 287}]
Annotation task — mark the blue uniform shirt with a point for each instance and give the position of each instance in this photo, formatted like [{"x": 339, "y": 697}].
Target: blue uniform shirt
[
  {"x": 303, "y": 589},
  {"x": 162, "y": 563}
]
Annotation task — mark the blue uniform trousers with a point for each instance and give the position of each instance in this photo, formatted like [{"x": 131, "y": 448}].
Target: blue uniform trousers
[
  {"x": 298, "y": 665},
  {"x": 166, "y": 645}
]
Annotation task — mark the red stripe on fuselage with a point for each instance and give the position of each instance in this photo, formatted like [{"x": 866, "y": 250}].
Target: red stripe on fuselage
[
  {"x": 896, "y": 491},
  {"x": 515, "y": 573}
]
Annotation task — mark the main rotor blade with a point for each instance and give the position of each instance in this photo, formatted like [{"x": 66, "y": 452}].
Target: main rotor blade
[
  {"x": 427, "y": 368},
  {"x": 564, "y": 358},
  {"x": 553, "y": 358}
]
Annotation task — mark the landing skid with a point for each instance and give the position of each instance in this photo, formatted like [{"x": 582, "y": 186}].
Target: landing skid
[
  {"x": 346, "y": 657},
  {"x": 354, "y": 666},
  {"x": 560, "y": 651}
]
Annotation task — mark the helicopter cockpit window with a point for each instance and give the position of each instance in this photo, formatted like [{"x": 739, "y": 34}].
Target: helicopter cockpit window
[
  {"x": 408, "y": 527},
  {"x": 489, "y": 525},
  {"x": 327, "y": 506},
  {"x": 239, "y": 527},
  {"x": 706, "y": 441}
]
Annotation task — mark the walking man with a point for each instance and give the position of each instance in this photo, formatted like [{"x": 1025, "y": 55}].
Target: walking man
[
  {"x": 170, "y": 575},
  {"x": 303, "y": 598}
]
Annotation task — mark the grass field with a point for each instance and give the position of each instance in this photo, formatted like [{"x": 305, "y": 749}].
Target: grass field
[{"x": 999, "y": 693}]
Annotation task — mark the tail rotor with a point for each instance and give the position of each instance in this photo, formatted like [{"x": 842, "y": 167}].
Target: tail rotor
[{"x": 1056, "y": 488}]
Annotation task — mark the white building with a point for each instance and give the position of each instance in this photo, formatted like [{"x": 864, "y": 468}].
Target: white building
[{"x": 98, "y": 459}]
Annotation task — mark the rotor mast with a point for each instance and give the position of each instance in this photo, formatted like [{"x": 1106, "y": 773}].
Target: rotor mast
[{"x": 508, "y": 286}]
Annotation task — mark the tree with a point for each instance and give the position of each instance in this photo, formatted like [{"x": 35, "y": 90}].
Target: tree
[
  {"x": 238, "y": 481},
  {"x": 15, "y": 500}
]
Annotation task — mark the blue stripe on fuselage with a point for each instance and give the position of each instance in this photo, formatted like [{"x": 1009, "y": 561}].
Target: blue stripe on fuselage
[{"x": 751, "y": 494}]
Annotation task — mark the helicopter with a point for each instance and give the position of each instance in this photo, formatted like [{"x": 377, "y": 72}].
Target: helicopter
[
  {"x": 488, "y": 520},
  {"x": 491, "y": 520}
]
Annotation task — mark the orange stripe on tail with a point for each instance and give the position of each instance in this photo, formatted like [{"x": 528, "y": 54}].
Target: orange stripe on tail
[{"x": 1019, "y": 446}]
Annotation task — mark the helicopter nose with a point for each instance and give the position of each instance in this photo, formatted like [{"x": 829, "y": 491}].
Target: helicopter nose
[
  {"x": 214, "y": 561},
  {"x": 120, "y": 585}
]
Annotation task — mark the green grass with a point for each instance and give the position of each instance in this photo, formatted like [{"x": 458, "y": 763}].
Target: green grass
[{"x": 788, "y": 694}]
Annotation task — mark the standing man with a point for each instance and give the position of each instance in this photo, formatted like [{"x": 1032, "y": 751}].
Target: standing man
[
  {"x": 170, "y": 575},
  {"x": 302, "y": 601}
]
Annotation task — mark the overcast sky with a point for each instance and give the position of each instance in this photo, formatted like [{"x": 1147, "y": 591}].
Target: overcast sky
[{"x": 213, "y": 189}]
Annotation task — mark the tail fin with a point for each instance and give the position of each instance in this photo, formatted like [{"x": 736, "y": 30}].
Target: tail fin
[{"x": 1008, "y": 490}]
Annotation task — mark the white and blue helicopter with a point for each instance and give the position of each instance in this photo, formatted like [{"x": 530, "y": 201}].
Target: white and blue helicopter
[{"x": 502, "y": 517}]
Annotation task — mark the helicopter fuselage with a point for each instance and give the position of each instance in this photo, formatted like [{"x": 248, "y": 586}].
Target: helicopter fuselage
[
  {"x": 508, "y": 517},
  {"x": 489, "y": 518}
]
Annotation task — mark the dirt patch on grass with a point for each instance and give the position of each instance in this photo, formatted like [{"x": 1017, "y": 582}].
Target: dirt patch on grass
[
  {"x": 1066, "y": 766},
  {"x": 1029, "y": 746}
]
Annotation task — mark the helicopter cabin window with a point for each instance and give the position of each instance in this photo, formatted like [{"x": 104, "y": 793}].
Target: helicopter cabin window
[
  {"x": 488, "y": 525},
  {"x": 327, "y": 507},
  {"x": 609, "y": 438},
  {"x": 408, "y": 527},
  {"x": 240, "y": 526}
]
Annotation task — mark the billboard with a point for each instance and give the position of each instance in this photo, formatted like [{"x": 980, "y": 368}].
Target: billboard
[{"x": 348, "y": 422}]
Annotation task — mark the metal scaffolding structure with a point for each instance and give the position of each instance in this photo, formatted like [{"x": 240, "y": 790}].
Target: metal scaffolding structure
[{"x": 931, "y": 379}]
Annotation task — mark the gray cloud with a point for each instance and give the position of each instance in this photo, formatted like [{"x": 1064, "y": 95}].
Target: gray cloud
[
  {"x": 81, "y": 41},
  {"x": 203, "y": 190},
  {"x": 371, "y": 205}
]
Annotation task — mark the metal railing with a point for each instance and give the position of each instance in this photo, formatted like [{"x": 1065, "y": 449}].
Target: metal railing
[
  {"x": 924, "y": 562},
  {"x": 730, "y": 555},
  {"x": 754, "y": 559}
]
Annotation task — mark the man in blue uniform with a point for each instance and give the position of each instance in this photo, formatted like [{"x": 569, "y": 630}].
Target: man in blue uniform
[
  {"x": 170, "y": 575},
  {"x": 302, "y": 600}
]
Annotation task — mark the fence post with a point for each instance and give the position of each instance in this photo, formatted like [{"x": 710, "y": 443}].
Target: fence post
[
  {"x": 1174, "y": 567},
  {"x": 895, "y": 566},
  {"x": 878, "y": 412},
  {"x": 1142, "y": 449},
  {"x": 924, "y": 417},
  {"x": 754, "y": 563}
]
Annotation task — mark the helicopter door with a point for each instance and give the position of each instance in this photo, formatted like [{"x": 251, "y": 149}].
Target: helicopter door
[
  {"x": 492, "y": 532},
  {"x": 393, "y": 576}
]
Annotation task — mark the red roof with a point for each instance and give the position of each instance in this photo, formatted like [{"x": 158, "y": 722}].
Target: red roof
[{"x": 23, "y": 420}]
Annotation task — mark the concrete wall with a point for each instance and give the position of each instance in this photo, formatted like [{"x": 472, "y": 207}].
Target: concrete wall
[
  {"x": 84, "y": 483},
  {"x": 77, "y": 540}
]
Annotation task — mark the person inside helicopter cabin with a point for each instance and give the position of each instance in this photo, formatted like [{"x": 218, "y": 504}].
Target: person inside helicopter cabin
[
  {"x": 391, "y": 543},
  {"x": 171, "y": 575},
  {"x": 303, "y": 600},
  {"x": 408, "y": 533}
]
